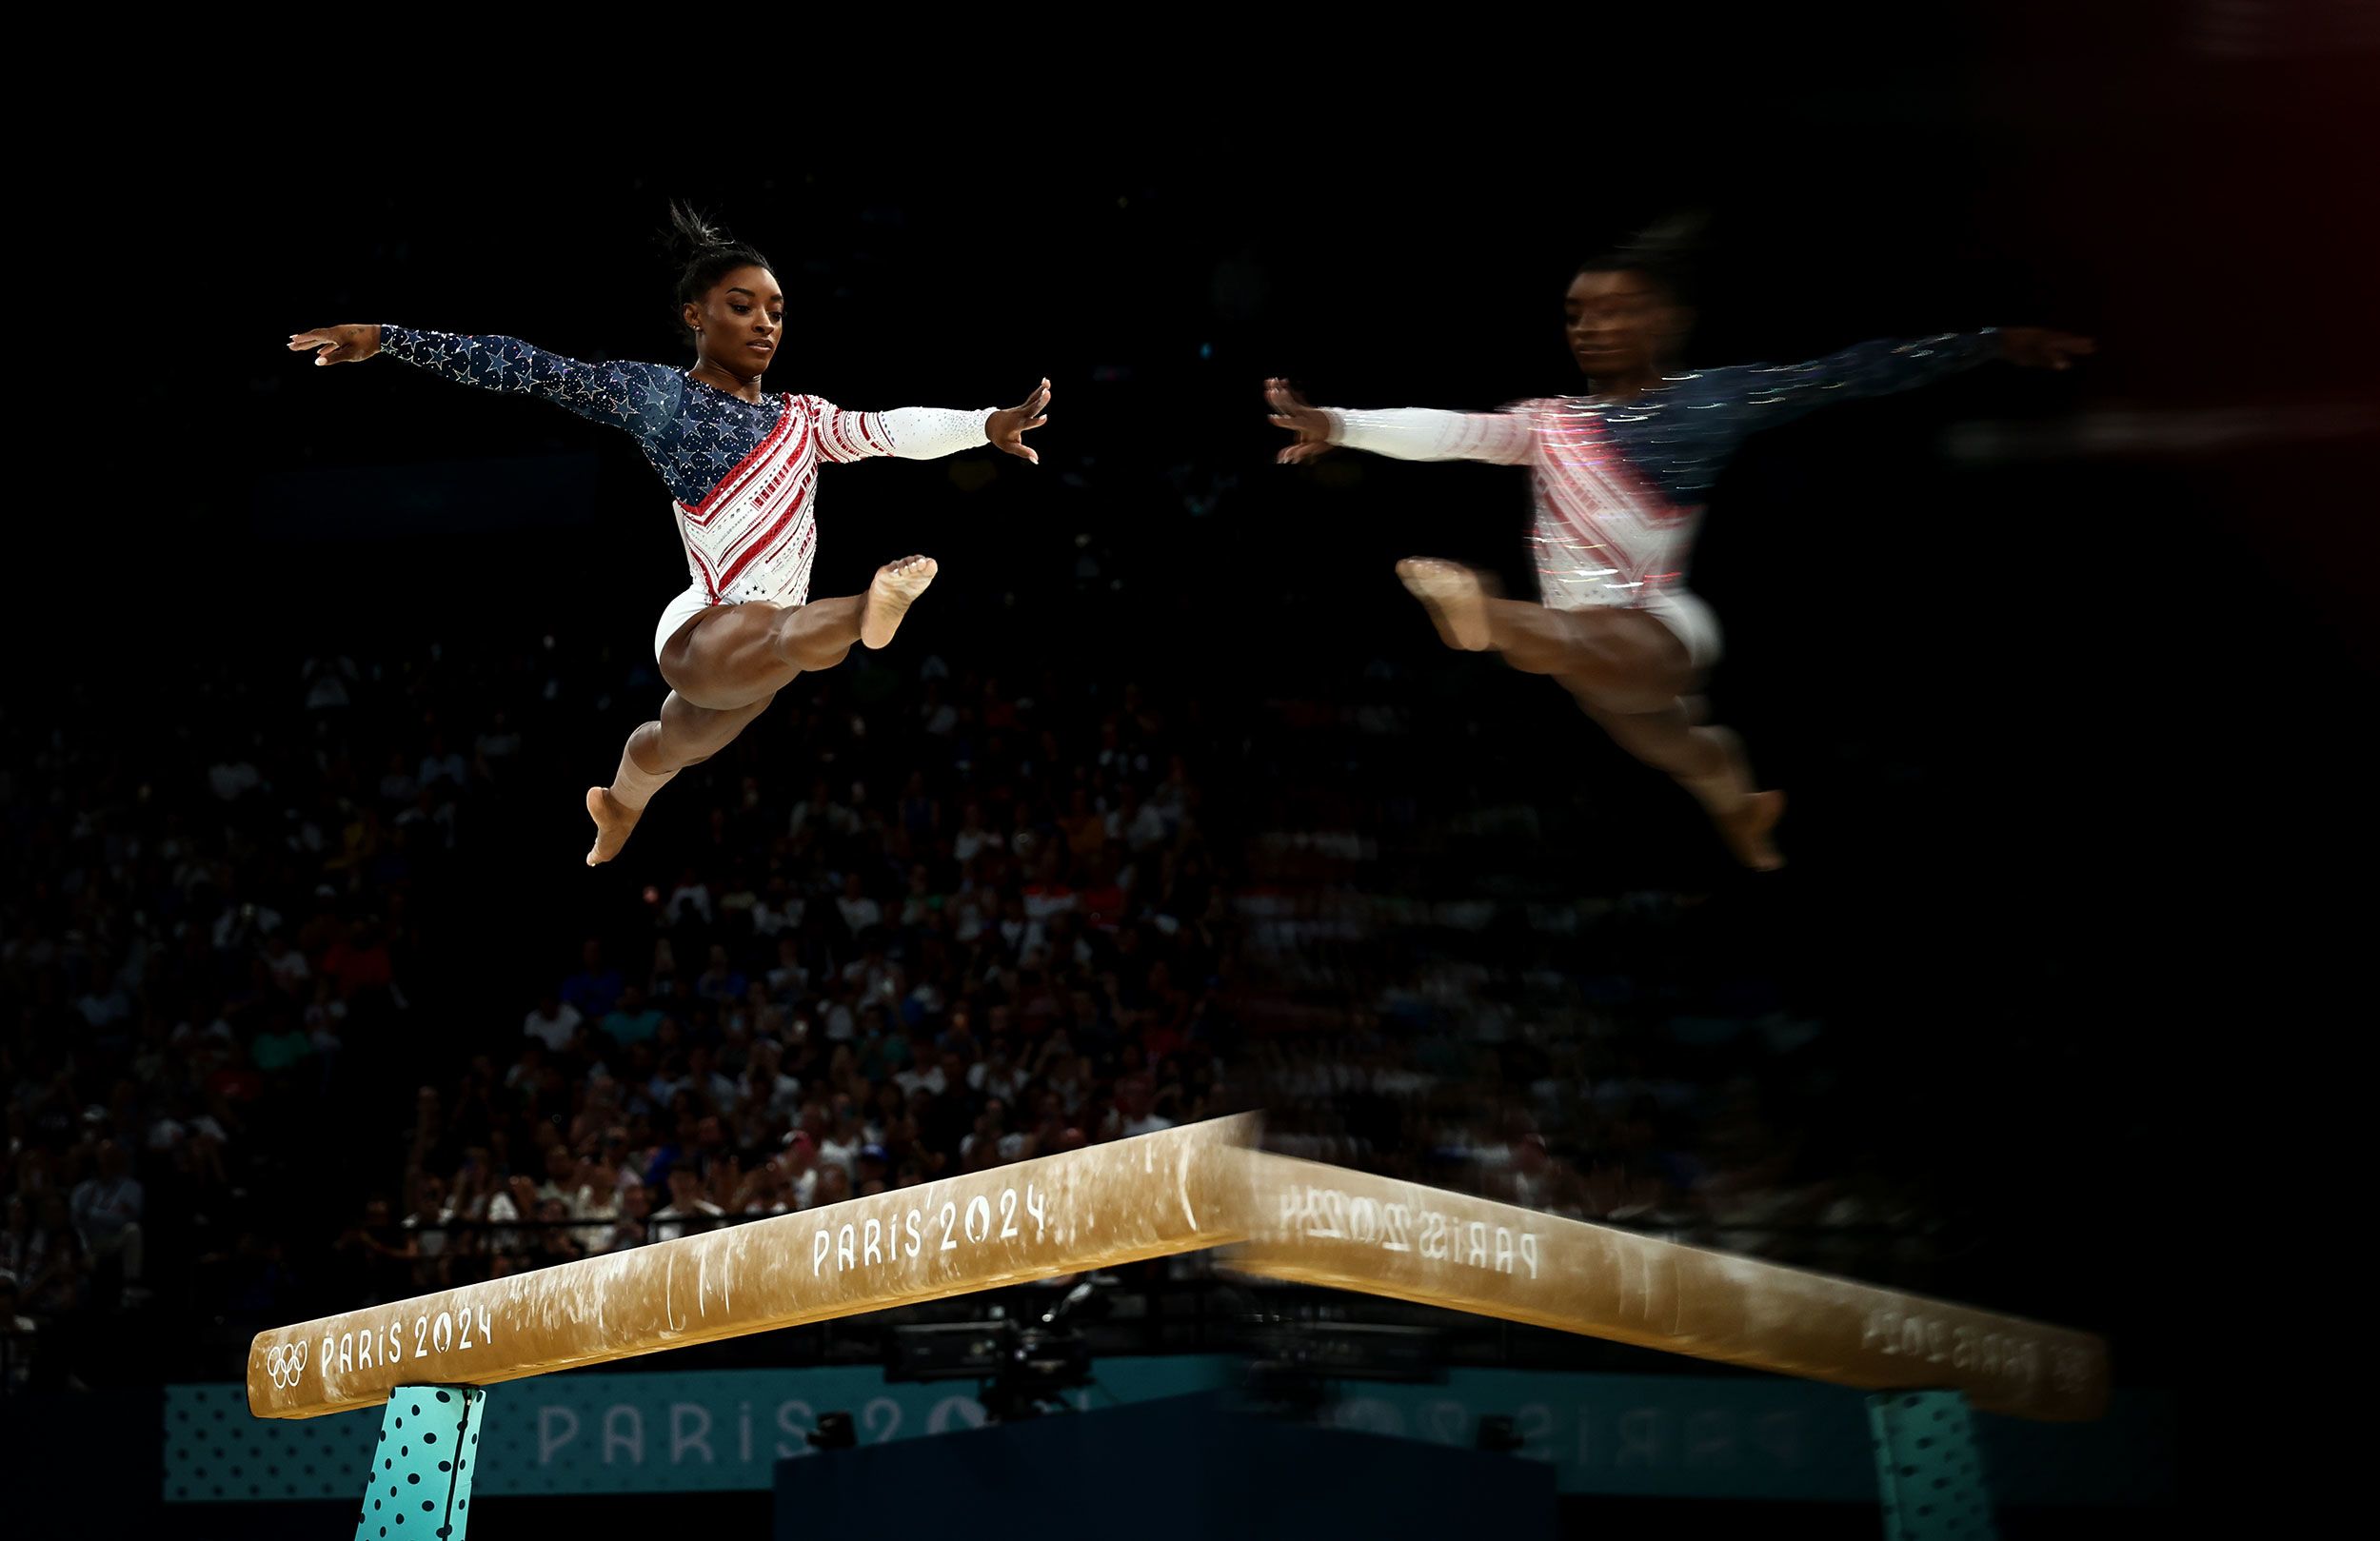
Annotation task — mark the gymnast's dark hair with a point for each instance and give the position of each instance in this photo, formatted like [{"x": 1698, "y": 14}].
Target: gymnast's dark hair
[
  {"x": 1670, "y": 253},
  {"x": 705, "y": 253}
]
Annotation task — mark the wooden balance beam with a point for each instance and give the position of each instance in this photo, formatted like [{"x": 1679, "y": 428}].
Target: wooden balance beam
[
  {"x": 1179, "y": 1191},
  {"x": 1324, "y": 1225},
  {"x": 1175, "y": 1191}
]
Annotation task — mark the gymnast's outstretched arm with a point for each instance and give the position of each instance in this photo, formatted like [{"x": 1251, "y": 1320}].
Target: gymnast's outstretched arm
[
  {"x": 1401, "y": 433},
  {"x": 1765, "y": 395},
  {"x": 924, "y": 432},
  {"x": 639, "y": 398}
]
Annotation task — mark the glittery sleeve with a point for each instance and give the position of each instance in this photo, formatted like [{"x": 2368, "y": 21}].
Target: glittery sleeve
[
  {"x": 1425, "y": 433},
  {"x": 908, "y": 432},
  {"x": 931, "y": 432},
  {"x": 843, "y": 436},
  {"x": 637, "y": 397},
  {"x": 1769, "y": 394}
]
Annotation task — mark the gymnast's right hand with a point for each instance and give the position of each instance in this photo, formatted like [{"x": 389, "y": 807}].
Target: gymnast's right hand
[
  {"x": 1310, "y": 424},
  {"x": 338, "y": 345}
]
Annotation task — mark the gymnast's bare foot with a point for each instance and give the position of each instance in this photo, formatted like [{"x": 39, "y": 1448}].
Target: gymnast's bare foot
[
  {"x": 1454, "y": 598},
  {"x": 614, "y": 821},
  {"x": 895, "y": 587},
  {"x": 1745, "y": 828}
]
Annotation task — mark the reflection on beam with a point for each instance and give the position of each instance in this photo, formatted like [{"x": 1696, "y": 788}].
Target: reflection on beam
[{"x": 1323, "y": 1225}]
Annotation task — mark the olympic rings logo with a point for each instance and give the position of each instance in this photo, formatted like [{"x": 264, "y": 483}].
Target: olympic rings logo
[{"x": 285, "y": 1362}]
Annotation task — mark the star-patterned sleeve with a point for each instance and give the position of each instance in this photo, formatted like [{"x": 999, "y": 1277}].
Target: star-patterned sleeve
[
  {"x": 1764, "y": 395},
  {"x": 908, "y": 432},
  {"x": 1425, "y": 433},
  {"x": 637, "y": 397}
]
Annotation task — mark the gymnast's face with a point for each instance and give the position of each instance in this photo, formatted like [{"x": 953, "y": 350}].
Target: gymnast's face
[
  {"x": 741, "y": 320},
  {"x": 1619, "y": 323}
]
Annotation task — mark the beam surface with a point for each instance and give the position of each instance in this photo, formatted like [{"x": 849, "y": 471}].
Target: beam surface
[
  {"x": 1179, "y": 1191},
  {"x": 1175, "y": 1191},
  {"x": 1317, "y": 1224}
]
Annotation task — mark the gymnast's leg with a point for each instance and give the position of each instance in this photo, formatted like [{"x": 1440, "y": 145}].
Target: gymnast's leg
[
  {"x": 1706, "y": 761},
  {"x": 725, "y": 666},
  {"x": 1631, "y": 673}
]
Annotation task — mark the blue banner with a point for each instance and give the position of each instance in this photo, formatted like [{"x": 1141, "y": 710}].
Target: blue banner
[{"x": 1651, "y": 1436}]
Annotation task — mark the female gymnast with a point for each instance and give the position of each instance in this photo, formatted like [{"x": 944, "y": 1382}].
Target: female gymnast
[
  {"x": 741, "y": 468},
  {"x": 1619, "y": 474}
]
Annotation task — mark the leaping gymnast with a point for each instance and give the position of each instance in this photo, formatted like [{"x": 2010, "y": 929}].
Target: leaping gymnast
[
  {"x": 1619, "y": 473},
  {"x": 741, "y": 468}
]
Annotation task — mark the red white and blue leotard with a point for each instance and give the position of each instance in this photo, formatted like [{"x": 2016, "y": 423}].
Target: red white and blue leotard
[
  {"x": 1619, "y": 485},
  {"x": 744, "y": 475}
]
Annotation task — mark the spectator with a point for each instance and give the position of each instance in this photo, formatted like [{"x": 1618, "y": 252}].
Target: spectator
[
  {"x": 632, "y": 1229},
  {"x": 290, "y": 968},
  {"x": 860, "y": 913},
  {"x": 104, "y": 1004},
  {"x": 596, "y": 988},
  {"x": 428, "y": 820},
  {"x": 281, "y": 1046},
  {"x": 1132, "y": 1113},
  {"x": 1085, "y": 826},
  {"x": 800, "y": 1168},
  {"x": 764, "y": 1191},
  {"x": 556, "y": 1241},
  {"x": 424, "y": 1224},
  {"x": 327, "y": 683},
  {"x": 360, "y": 961},
  {"x": 845, "y": 1137},
  {"x": 442, "y": 768},
  {"x": 233, "y": 777},
  {"x": 720, "y": 981},
  {"x": 552, "y": 1022},
  {"x": 514, "y": 1198},
  {"x": 633, "y": 1022},
  {"x": 972, "y": 838},
  {"x": 819, "y": 814},
  {"x": 692, "y": 896},
  {"x": 687, "y": 1210},
  {"x": 397, "y": 784}
]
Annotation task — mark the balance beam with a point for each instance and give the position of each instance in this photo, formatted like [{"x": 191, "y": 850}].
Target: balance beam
[
  {"x": 1317, "y": 1224},
  {"x": 1175, "y": 1191},
  {"x": 1179, "y": 1191}
]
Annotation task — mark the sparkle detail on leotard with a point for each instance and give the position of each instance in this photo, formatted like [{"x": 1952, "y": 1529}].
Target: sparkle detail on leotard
[
  {"x": 1619, "y": 485},
  {"x": 699, "y": 438}
]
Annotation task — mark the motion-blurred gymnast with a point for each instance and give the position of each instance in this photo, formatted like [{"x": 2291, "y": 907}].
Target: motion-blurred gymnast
[
  {"x": 1620, "y": 475},
  {"x": 742, "y": 468}
]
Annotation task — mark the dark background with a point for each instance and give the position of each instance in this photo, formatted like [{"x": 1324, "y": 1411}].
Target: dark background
[{"x": 2047, "y": 723}]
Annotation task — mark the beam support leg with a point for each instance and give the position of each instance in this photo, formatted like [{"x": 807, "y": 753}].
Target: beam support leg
[
  {"x": 1929, "y": 1473},
  {"x": 421, "y": 1478}
]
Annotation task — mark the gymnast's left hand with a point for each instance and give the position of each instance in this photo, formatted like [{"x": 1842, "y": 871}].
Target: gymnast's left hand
[
  {"x": 1007, "y": 427},
  {"x": 338, "y": 345},
  {"x": 2039, "y": 348},
  {"x": 1309, "y": 423}
]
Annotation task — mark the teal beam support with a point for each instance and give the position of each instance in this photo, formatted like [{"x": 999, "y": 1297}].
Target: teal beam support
[
  {"x": 421, "y": 1479},
  {"x": 1929, "y": 1473}
]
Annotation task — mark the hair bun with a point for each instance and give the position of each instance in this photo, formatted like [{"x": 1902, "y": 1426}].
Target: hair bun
[
  {"x": 691, "y": 234},
  {"x": 702, "y": 253}
]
